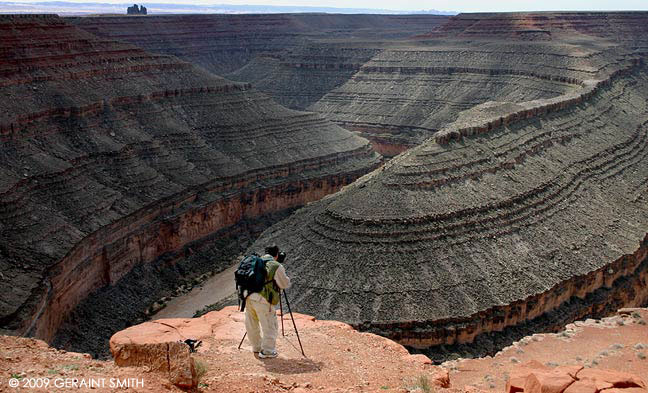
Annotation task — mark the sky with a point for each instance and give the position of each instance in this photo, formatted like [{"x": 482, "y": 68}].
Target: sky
[{"x": 415, "y": 5}]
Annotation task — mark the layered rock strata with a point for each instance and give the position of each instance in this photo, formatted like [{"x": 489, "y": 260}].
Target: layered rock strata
[
  {"x": 112, "y": 157},
  {"x": 361, "y": 73},
  {"x": 404, "y": 95},
  {"x": 225, "y": 43},
  {"x": 626, "y": 26},
  {"x": 454, "y": 239}
]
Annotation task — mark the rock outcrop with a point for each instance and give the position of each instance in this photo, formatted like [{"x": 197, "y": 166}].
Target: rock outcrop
[
  {"x": 339, "y": 359},
  {"x": 581, "y": 357},
  {"x": 159, "y": 345},
  {"x": 538, "y": 378},
  {"x": 136, "y": 10},
  {"x": 544, "y": 215},
  {"x": 113, "y": 157}
]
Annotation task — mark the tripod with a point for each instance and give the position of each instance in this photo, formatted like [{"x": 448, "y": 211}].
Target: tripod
[{"x": 282, "y": 324}]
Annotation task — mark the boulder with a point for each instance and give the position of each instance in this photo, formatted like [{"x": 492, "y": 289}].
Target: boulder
[
  {"x": 553, "y": 381},
  {"x": 606, "y": 379},
  {"x": 159, "y": 345},
  {"x": 534, "y": 377},
  {"x": 441, "y": 378},
  {"x": 518, "y": 376},
  {"x": 581, "y": 387}
]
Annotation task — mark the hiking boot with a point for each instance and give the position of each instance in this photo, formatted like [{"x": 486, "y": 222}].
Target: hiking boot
[{"x": 268, "y": 354}]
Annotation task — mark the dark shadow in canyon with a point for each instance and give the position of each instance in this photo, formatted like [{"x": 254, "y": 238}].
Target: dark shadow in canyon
[
  {"x": 113, "y": 308},
  {"x": 603, "y": 302}
]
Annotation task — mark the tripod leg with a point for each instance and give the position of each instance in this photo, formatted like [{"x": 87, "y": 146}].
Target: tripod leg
[
  {"x": 241, "y": 343},
  {"x": 294, "y": 324},
  {"x": 281, "y": 309}
]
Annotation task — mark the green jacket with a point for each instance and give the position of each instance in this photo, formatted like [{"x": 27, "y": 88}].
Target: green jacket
[{"x": 270, "y": 291}]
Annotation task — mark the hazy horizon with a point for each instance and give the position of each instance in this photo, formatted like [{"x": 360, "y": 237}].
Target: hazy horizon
[{"x": 409, "y": 5}]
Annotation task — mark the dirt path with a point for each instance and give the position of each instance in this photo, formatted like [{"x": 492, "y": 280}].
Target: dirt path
[{"x": 209, "y": 292}]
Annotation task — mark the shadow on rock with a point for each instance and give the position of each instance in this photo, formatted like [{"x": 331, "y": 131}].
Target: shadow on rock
[{"x": 291, "y": 366}]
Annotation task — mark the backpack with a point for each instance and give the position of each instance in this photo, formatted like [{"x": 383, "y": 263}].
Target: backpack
[{"x": 250, "y": 277}]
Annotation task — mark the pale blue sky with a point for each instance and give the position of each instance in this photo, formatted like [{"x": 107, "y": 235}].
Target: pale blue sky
[{"x": 444, "y": 5}]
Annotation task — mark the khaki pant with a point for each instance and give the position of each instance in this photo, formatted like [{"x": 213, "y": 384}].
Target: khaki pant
[{"x": 261, "y": 313}]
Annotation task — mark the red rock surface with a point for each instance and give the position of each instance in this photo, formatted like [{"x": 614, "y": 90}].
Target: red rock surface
[
  {"x": 340, "y": 359},
  {"x": 618, "y": 343},
  {"x": 337, "y": 356}
]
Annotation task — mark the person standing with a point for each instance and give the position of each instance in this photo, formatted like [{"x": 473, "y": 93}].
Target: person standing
[{"x": 260, "y": 307}]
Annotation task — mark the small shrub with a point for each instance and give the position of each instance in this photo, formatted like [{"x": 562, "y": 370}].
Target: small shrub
[
  {"x": 641, "y": 355},
  {"x": 423, "y": 383},
  {"x": 71, "y": 367},
  {"x": 201, "y": 368}
]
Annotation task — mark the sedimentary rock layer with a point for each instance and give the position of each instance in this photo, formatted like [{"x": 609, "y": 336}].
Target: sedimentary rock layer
[
  {"x": 112, "y": 156},
  {"x": 364, "y": 75},
  {"x": 405, "y": 94},
  {"x": 224, "y": 43},
  {"x": 454, "y": 239},
  {"x": 296, "y": 59},
  {"x": 361, "y": 73},
  {"x": 626, "y": 26}
]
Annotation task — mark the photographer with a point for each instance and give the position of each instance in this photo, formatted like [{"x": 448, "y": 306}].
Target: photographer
[{"x": 260, "y": 307}]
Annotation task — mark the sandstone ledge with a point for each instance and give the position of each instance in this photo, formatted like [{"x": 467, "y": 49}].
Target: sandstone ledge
[
  {"x": 342, "y": 360},
  {"x": 328, "y": 345}
]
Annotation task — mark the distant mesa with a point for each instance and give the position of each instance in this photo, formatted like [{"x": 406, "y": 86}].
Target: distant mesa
[{"x": 136, "y": 10}]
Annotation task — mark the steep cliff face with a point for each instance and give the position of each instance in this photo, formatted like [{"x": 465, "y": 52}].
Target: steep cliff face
[
  {"x": 543, "y": 211},
  {"x": 112, "y": 156}
]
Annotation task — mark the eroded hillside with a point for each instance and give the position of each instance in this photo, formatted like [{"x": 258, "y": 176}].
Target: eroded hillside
[
  {"x": 382, "y": 77},
  {"x": 112, "y": 157},
  {"x": 516, "y": 212}
]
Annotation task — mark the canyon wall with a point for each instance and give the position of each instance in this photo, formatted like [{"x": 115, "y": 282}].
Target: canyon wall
[
  {"x": 225, "y": 43},
  {"x": 112, "y": 157},
  {"x": 396, "y": 80},
  {"x": 536, "y": 209},
  {"x": 628, "y": 27}
]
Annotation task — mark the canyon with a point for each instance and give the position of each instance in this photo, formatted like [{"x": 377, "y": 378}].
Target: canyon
[
  {"x": 395, "y": 80},
  {"x": 113, "y": 157},
  {"x": 488, "y": 226},
  {"x": 513, "y": 201}
]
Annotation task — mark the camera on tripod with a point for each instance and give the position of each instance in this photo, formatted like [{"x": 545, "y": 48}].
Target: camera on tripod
[{"x": 281, "y": 257}]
